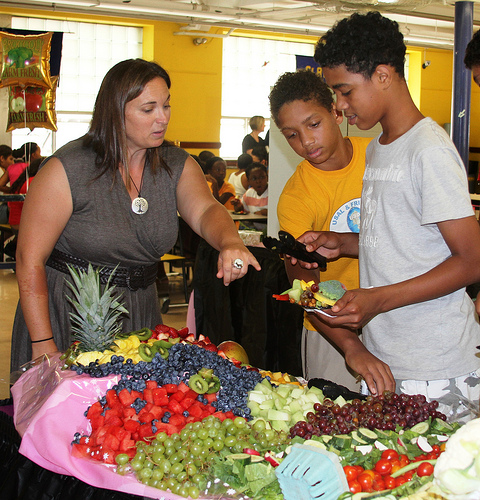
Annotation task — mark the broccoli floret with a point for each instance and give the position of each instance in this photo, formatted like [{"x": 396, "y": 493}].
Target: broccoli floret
[{"x": 19, "y": 55}]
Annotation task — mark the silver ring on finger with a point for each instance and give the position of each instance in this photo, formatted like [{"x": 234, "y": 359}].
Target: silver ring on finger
[{"x": 238, "y": 263}]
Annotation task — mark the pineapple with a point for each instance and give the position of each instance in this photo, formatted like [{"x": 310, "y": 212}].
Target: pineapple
[{"x": 96, "y": 320}]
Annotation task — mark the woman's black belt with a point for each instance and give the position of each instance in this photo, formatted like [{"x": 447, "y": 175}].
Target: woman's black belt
[{"x": 132, "y": 278}]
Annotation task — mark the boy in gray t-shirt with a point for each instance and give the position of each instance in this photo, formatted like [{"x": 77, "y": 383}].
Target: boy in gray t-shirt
[{"x": 419, "y": 241}]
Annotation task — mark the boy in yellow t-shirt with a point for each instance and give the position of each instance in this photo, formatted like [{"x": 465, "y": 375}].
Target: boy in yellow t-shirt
[{"x": 322, "y": 195}]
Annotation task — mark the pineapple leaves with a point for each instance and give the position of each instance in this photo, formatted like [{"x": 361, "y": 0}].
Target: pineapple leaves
[{"x": 97, "y": 317}]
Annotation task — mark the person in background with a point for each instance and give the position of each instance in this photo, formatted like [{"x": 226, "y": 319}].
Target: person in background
[
  {"x": 215, "y": 172},
  {"x": 238, "y": 179},
  {"x": 255, "y": 198},
  {"x": 203, "y": 156},
  {"x": 257, "y": 124},
  {"x": 6, "y": 159},
  {"x": 323, "y": 194},
  {"x": 416, "y": 255},
  {"x": 260, "y": 155},
  {"x": 22, "y": 156},
  {"x": 110, "y": 199}
]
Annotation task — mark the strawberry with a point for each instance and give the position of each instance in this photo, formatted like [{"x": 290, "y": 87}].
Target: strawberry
[{"x": 183, "y": 332}]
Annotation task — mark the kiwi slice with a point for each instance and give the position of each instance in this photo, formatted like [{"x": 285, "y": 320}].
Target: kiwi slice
[
  {"x": 146, "y": 352},
  {"x": 213, "y": 385},
  {"x": 198, "y": 384}
]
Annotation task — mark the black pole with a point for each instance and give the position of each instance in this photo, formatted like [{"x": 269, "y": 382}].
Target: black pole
[{"x": 462, "y": 80}]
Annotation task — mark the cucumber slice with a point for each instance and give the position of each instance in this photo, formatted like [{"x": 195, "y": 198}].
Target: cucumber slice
[
  {"x": 421, "y": 427},
  {"x": 357, "y": 439},
  {"x": 341, "y": 441},
  {"x": 368, "y": 435},
  {"x": 442, "y": 426}
]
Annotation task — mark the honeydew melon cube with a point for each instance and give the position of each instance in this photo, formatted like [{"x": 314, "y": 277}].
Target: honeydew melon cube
[
  {"x": 265, "y": 386},
  {"x": 297, "y": 416},
  {"x": 284, "y": 390},
  {"x": 280, "y": 425},
  {"x": 296, "y": 392},
  {"x": 278, "y": 415},
  {"x": 256, "y": 396},
  {"x": 340, "y": 401},
  {"x": 254, "y": 408},
  {"x": 295, "y": 406},
  {"x": 318, "y": 392},
  {"x": 280, "y": 403},
  {"x": 263, "y": 413},
  {"x": 312, "y": 397},
  {"x": 267, "y": 404}
]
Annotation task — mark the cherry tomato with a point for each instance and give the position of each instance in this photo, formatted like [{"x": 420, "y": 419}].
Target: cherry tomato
[
  {"x": 390, "y": 454},
  {"x": 408, "y": 475},
  {"x": 351, "y": 472},
  {"x": 354, "y": 486},
  {"x": 366, "y": 481},
  {"x": 378, "y": 485},
  {"x": 389, "y": 482},
  {"x": 395, "y": 466},
  {"x": 383, "y": 466},
  {"x": 400, "y": 480},
  {"x": 404, "y": 460},
  {"x": 436, "y": 449},
  {"x": 420, "y": 458},
  {"x": 431, "y": 456},
  {"x": 425, "y": 469},
  {"x": 359, "y": 469}
]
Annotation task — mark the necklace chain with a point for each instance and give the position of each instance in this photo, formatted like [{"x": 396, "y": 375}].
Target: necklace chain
[{"x": 141, "y": 182}]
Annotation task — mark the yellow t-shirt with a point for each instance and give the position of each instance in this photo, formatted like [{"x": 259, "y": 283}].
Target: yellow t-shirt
[{"x": 319, "y": 200}]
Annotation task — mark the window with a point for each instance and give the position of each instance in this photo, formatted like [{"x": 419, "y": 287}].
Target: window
[
  {"x": 89, "y": 51},
  {"x": 250, "y": 68}
]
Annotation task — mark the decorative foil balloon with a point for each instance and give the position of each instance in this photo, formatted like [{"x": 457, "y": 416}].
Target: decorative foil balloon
[
  {"x": 30, "y": 107},
  {"x": 25, "y": 60}
]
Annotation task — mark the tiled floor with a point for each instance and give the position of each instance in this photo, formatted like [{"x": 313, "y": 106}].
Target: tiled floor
[{"x": 176, "y": 317}]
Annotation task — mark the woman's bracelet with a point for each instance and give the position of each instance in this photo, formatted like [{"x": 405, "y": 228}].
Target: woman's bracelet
[{"x": 43, "y": 340}]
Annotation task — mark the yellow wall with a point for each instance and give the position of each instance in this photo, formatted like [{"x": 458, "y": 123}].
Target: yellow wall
[{"x": 196, "y": 73}]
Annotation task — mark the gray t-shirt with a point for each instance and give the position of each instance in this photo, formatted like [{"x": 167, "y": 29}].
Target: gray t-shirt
[{"x": 409, "y": 186}]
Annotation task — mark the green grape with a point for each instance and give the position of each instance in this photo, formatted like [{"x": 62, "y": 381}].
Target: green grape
[
  {"x": 178, "y": 445},
  {"x": 238, "y": 447},
  {"x": 183, "y": 491},
  {"x": 198, "y": 462},
  {"x": 169, "y": 451},
  {"x": 218, "y": 444},
  {"x": 157, "y": 457},
  {"x": 208, "y": 421},
  {"x": 259, "y": 425},
  {"x": 161, "y": 437},
  {"x": 195, "y": 449},
  {"x": 240, "y": 422},
  {"x": 217, "y": 423},
  {"x": 159, "y": 448},
  {"x": 122, "y": 458},
  {"x": 136, "y": 464},
  {"x": 204, "y": 453},
  {"x": 175, "y": 437},
  {"x": 188, "y": 426},
  {"x": 158, "y": 474},
  {"x": 165, "y": 466},
  {"x": 176, "y": 468},
  {"x": 202, "y": 434},
  {"x": 269, "y": 434},
  {"x": 213, "y": 432},
  {"x": 232, "y": 429},
  {"x": 208, "y": 443},
  {"x": 145, "y": 473},
  {"x": 176, "y": 488},
  {"x": 182, "y": 476},
  {"x": 183, "y": 453},
  {"x": 153, "y": 482},
  {"x": 140, "y": 455},
  {"x": 171, "y": 482},
  {"x": 175, "y": 458},
  {"x": 197, "y": 426},
  {"x": 193, "y": 492},
  {"x": 191, "y": 469},
  {"x": 230, "y": 441},
  {"x": 168, "y": 442},
  {"x": 122, "y": 470},
  {"x": 197, "y": 479},
  {"x": 193, "y": 435},
  {"x": 184, "y": 433},
  {"x": 198, "y": 442},
  {"x": 148, "y": 449},
  {"x": 227, "y": 422},
  {"x": 263, "y": 443},
  {"x": 145, "y": 480}
]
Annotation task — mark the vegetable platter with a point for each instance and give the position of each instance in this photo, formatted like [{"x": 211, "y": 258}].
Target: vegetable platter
[{"x": 162, "y": 414}]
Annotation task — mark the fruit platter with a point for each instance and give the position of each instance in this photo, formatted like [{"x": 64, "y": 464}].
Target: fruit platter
[{"x": 162, "y": 413}]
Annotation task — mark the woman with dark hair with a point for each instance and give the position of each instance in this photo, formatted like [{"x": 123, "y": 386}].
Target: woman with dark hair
[
  {"x": 111, "y": 199},
  {"x": 6, "y": 159}
]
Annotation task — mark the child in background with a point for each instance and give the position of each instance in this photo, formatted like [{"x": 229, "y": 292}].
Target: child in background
[
  {"x": 323, "y": 194},
  {"x": 238, "y": 179},
  {"x": 215, "y": 172},
  {"x": 260, "y": 155},
  {"x": 23, "y": 157},
  {"x": 6, "y": 159},
  {"x": 419, "y": 241}
]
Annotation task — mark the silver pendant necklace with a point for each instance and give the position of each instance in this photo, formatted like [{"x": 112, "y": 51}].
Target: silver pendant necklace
[{"x": 139, "y": 204}]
